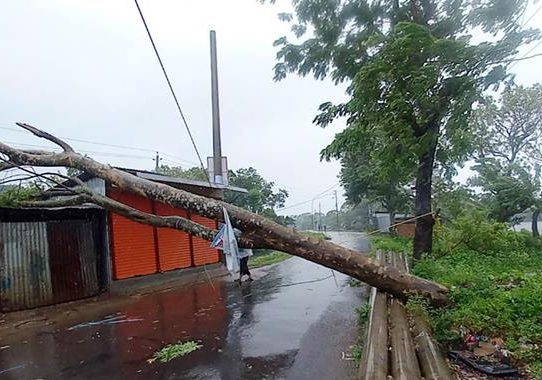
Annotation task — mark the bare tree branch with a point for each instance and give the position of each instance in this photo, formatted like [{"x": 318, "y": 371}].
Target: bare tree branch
[{"x": 44, "y": 135}]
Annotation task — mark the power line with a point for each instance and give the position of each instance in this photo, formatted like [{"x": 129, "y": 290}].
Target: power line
[
  {"x": 82, "y": 151},
  {"x": 170, "y": 86},
  {"x": 532, "y": 16},
  {"x": 525, "y": 56},
  {"x": 317, "y": 196},
  {"x": 104, "y": 144}
]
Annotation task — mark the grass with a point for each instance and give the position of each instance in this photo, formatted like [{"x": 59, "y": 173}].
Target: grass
[
  {"x": 496, "y": 291},
  {"x": 318, "y": 235},
  {"x": 272, "y": 257},
  {"x": 175, "y": 350}
]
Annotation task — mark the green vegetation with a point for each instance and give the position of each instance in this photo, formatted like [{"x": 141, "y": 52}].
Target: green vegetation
[
  {"x": 262, "y": 197},
  {"x": 392, "y": 244},
  {"x": 495, "y": 281},
  {"x": 272, "y": 257},
  {"x": 175, "y": 350},
  {"x": 363, "y": 320},
  {"x": 318, "y": 235},
  {"x": 10, "y": 196},
  {"x": 414, "y": 74}
]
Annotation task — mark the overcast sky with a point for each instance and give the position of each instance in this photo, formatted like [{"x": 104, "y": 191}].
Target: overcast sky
[{"x": 86, "y": 70}]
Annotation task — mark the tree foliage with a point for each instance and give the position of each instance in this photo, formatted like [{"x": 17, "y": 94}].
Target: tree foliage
[
  {"x": 363, "y": 182},
  {"x": 509, "y": 138},
  {"x": 12, "y": 195},
  {"x": 262, "y": 197},
  {"x": 196, "y": 173},
  {"x": 414, "y": 72}
]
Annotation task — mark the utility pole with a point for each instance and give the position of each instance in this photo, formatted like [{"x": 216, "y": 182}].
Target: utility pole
[
  {"x": 337, "y": 209},
  {"x": 157, "y": 161},
  {"x": 217, "y": 148},
  {"x": 319, "y": 216},
  {"x": 312, "y": 214}
]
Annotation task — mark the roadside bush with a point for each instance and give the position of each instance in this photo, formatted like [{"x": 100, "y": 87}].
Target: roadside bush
[
  {"x": 495, "y": 281},
  {"x": 474, "y": 232},
  {"x": 391, "y": 243}
]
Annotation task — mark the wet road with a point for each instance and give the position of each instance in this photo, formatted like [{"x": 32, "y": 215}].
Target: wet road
[{"x": 294, "y": 322}]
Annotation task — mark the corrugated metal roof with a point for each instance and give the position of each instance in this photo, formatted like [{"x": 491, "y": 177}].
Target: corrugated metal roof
[{"x": 157, "y": 177}]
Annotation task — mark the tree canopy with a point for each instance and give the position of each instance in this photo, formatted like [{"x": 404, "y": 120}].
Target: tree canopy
[
  {"x": 195, "y": 173},
  {"x": 414, "y": 72},
  {"x": 508, "y": 152},
  {"x": 262, "y": 197}
]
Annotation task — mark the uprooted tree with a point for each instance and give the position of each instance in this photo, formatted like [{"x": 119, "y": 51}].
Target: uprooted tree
[{"x": 258, "y": 232}]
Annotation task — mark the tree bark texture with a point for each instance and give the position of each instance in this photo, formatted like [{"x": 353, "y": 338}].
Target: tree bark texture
[
  {"x": 534, "y": 223},
  {"x": 258, "y": 232},
  {"x": 423, "y": 235}
]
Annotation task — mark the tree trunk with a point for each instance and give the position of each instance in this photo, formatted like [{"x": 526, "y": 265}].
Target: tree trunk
[
  {"x": 267, "y": 233},
  {"x": 391, "y": 213},
  {"x": 534, "y": 223},
  {"x": 423, "y": 235}
]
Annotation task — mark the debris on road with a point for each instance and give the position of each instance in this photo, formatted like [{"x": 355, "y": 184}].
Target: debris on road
[
  {"x": 108, "y": 320},
  {"x": 174, "y": 350},
  {"x": 12, "y": 368},
  {"x": 484, "y": 355}
]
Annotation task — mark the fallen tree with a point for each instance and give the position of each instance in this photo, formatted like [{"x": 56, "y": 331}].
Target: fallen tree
[{"x": 258, "y": 232}]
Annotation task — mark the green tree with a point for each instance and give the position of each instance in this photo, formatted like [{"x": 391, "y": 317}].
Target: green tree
[
  {"x": 195, "y": 173},
  {"x": 414, "y": 73},
  {"x": 12, "y": 195},
  {"x": 507, "y": 190},
  {"x": 509, "y": 138},
  {"x": 453, "y": 199},
  {"x": 262, "y": 198},
  {"x": 363, "y": 181}
]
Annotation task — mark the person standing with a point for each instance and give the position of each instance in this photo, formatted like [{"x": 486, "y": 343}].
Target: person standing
[{"x": 244, "y": 254}]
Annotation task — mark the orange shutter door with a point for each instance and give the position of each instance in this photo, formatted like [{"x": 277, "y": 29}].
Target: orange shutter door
[
  {"x": 133, "y": 243},
  {"x": 173, "y": 245},
  {"x": 203, "y": 253}
]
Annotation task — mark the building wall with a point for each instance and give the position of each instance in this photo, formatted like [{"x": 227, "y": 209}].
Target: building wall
[
  {"x": 139, "y": 249},
  {"x": 174, "y": 247},
  {"x": 133, "y": 244},
  {"x": 406, "y": 229},
  {"x": 48, "y": 257}
]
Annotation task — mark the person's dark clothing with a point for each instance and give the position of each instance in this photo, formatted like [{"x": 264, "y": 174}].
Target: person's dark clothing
[{"x": 244, "y": 266}]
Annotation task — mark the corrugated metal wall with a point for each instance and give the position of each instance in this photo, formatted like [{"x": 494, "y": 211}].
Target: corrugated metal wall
[
  {"x": 25, "y": 279},
  {"x": 44, "y": 262}
]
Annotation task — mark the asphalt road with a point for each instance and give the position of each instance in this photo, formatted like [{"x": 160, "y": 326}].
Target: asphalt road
[{"x": 297, "y": 321}]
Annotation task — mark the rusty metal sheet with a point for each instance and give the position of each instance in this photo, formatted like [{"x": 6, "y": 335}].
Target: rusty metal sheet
[
  {"x": 72, "y": 260},
  {"x": 25, "y": 280},
  {"x": 47, "y": 262}
]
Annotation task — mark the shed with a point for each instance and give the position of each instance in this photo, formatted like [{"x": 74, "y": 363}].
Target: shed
[
  {"x": 406, "y": 226},
  {"x": 139, "y": 249},
  {"x": 49, "y": 256}
]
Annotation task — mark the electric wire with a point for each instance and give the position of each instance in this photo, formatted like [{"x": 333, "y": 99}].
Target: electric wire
[{"x": 170, "y": 87}]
